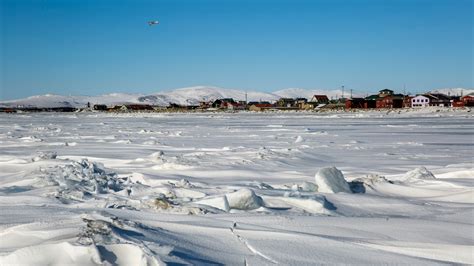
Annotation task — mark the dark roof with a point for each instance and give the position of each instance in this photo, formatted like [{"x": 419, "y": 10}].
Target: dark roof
[
  {"x": 262, "y": 102},
  {"x": 437, "y": 96},
  {"x": 321, "y": 98},
  {"x": 372, "y": 97},
  {"x": 227, "y": 100}
]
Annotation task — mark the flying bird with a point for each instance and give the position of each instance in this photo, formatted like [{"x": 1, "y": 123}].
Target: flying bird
[{"x": 153, "y": 22}]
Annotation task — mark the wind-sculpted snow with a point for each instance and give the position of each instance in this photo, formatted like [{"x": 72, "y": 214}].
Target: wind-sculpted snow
[
  {"x": 83, "y": 179},
  {"x": 244, "y": 188}
]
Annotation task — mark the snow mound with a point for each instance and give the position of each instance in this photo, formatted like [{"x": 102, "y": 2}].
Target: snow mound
[
  {"x": 244, "y": 199},
  {"x": 82, "y": 180},
  {"x": 63, "y": 253},
  {"x": 127, "y": 254},
  {"x": 420, "y": 173},
  {"x": 217, "y": 202},
  {"x": 315, "y": 205},
  {"x": 331, "y": 180}
]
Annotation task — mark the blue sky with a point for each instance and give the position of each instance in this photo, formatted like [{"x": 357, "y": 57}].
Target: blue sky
[{"x": 92, "y": 47}]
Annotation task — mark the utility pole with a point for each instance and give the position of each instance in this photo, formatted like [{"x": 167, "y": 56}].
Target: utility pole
[
  {"x": 246, "y": 97},
  {"x": 342, "y": 91},
  {"x": 351, "y": 93}
]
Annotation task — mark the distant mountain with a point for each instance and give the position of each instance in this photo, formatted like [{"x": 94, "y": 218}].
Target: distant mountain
[
  {"x": 194, "y": 95},
  {"x": 308, "y": 94},
  {"x": 186, "y": 96},
  {"x": 454, "y": 91},
  {"x": 53, "y": 100}
]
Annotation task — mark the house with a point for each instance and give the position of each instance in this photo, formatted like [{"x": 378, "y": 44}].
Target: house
[
  {"x": 407, "y": 101},
  {"x": 133, "y": 108},
  {"x": 385, "y": 92},
  {"x": 301, "y": 102},
  {"x": 205, "y": 105},
  {"x": 390, "y": 101},
  {"x": 385, "y": 99},
  {"x": 100, "y": 107},
  {"x": 355, "y": 103},
  {"x": 140, "y": 107},
  {"x": 61, "y": 109},
  {"x": 259, "y": 106},
  {"x": 371, "y": 101},
  {"x": 420, "y": 101},
  {"x": 7, "y": 110},
  {"x": 223, "y": 103},
  {"x": 457, "y": 103},
  {"x": 286, "y": 102},
  {"x": 438, "y": 99},
  {"x": 320, "y": 99},
  {"x": 316, "y": 101},
  {"x": 468, "y": 100},
  {"x": 176, "y": 107},
  {"x": 234, "y": 106}
]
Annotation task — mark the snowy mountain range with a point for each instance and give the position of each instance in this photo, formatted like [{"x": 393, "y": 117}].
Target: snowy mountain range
[{"x": 185, "y": 96}]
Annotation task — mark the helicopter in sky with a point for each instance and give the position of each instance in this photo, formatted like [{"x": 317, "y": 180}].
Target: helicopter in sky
[{"x": 153, "y": 22}]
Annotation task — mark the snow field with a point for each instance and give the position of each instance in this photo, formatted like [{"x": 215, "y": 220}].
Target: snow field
[{"x": 261, "y": 189}]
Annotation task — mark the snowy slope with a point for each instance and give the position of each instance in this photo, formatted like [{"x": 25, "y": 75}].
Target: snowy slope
[
  {"x": 184, "y": 96},
  {"x": 194, "y": 95},
  {"x": 53, "y": 100}
]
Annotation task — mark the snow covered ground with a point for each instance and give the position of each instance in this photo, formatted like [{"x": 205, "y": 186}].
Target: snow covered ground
[{"x": 254, "y": 188}]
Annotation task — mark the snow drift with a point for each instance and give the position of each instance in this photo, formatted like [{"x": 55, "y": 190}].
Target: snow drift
[{"x": 420, "y": 173}]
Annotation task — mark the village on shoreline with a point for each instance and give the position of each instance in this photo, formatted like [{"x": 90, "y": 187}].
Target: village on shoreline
[{"x": 385, "y": 99}]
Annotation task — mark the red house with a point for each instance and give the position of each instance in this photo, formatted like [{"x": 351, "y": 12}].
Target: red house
[
  {"x": 390, "y": 101},
  {"x": 468, "y": 100}
]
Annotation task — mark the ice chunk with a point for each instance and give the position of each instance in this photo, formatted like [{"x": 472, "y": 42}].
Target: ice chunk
[
  {"x": 308, "y": 187},
  {"x": 331, "y": 180},
  {"x": 244, "y": 199},
  {"x": 44, "y": 156}
]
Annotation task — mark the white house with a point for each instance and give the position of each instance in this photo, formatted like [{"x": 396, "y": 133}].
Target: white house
[{"x": 420, "y": 101}]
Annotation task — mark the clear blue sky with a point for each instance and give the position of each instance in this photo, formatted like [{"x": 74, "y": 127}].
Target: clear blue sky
[{"x": 91, "y": 47}]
